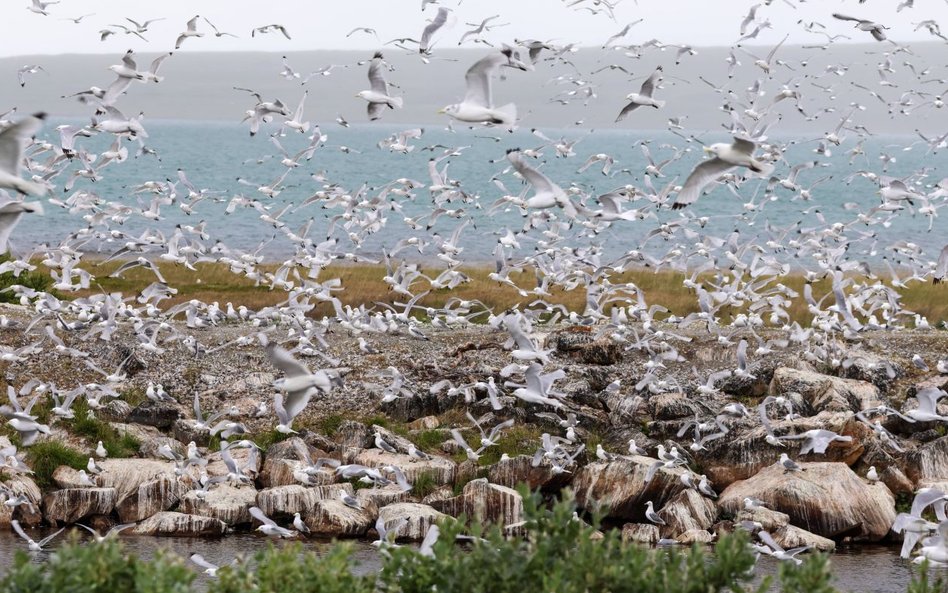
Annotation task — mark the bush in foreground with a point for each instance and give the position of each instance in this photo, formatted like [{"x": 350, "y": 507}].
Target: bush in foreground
[{"x": 557, "y": 553}]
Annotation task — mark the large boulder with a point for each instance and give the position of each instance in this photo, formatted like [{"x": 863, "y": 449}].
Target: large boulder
[
  {"x": 180, "y": 525},
  {"x": 580, "y": 344},
  {"x": 513, "y": 471},
  {"x": 828, "y": 499},
  {"x": 158, "y": 414},
  {"x": 745, "y": 451},
  {"x": 415, "y": 519},
  {"x": 73, "y": 504},
  {"x": 439, "y": 469},
  {"x": 618, "y": 488},
  {"x": 642, "y": 533},
  {"x": 224, "y": 502},
  {"x": 143, "y": 486},
  {"x": 332, "y": 518},
  {"x": 288, "y": 500},
  {"x": 29, "y": 514},
  {"x": 151, "y": 497},
  {"x": 284, "y": 458},
  {"x": 790, "y": 537},
  {"x": 928, "y": 463},
  {"x": 687, "y": 511},
  {"x": 825, "y": 392},
  {"x": 486, "y": 502}
]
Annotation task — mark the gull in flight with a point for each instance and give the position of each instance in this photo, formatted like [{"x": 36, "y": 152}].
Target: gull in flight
[
  {"x": 13, "y": 141},
  {"x": 644, "y": 96},
  {"x": 817, "y": 440},
  {"x": 478, "y": 103},
  {"x": 875, "y": 29},
  {"x": 424, "y": 46},
  {"x": 209, "y": 569},
  {"x": 34, "y": 546},
  {"x": 10, "y": 213},
  {"x": 99, "y": 538},
  {"x": 776, "y": 550},
  {"x": 269, "y": 526},
  {"x": 377, "y": 95},
  {"x": 190, "y": 32},
  {"x": 546, "y": 193},
  {"x": 740, "y": 153},
  {"x": 269, "y": 29},
  {"x": 299, "y": 385}
]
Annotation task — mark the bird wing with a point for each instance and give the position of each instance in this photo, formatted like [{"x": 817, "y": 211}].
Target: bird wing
[
  {"x": 49, "y": 538},
  {"x": 704, "y": 173},
  {"x": 540, "y": 182},
  {"x": 742, "y": 355},
  {"x": 769, "y": 541},
  {"x": 478, "y": 80},
  {"x": 433, "y": 26},
  {"x": 648, "y": 87},
  {"x": 200, "y": 561},
  {"x": 284, "y": 361},
  {"x": 19, "y": 530},
  {"x": 744, "y": 146},
  {"x": 14, "y": 139},
  {"x": 923, "y": 499},
  {"x": 376, "y": 79},
  {"x": 843, "y": 17},
  {"x": 257, "y": 514}
]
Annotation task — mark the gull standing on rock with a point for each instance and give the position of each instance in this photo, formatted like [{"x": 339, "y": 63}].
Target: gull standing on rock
[
  {"x": 377, "y": 95},
  {"x": 651, "y": 515}
]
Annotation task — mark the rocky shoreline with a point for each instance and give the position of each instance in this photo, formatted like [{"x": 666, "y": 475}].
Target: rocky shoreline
[{"x": 831, "y": 501}]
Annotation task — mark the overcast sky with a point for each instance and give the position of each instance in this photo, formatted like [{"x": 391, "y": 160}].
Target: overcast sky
[{"x": 323, "y": 24}]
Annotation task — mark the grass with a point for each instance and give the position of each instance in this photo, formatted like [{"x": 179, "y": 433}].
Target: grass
[
  {"x": 424, "y": 484},
  {"x": 38, "y": 280},
  {"x": 363, "y": 284},
  {"x": 133, "y": 396},
  {"x": 329, "y": 425},
  {"x": 427, "y": 440},
  {"x": 270, "y": 437},
  {"x": 117, "y": 444},
  {"x": 45, "y": 456}
]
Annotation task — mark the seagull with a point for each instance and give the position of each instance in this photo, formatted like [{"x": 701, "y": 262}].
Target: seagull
[
  {"x": 651, "y": 515},
  {"x": 788, "y": 464},
  {"x": 209, "y": 569},
  {"x": 13, "y": 140},
  {"x": 740, "y": 153},
  {"x": 10, "y": 213},
  {"x": 299, "y": 385},
  {"x": 33, "y": 545},
  {"x": 377, "y": 95},
  {"x": 872, "y": 475},
  {"x": 40, "y": 7},
  {"x": 424, "y": 46},
  {"x": 644, "y": 96},
  {"x": 478, "y": 103},
  {"x": 877, "y": 30},
  {"x": 778, "y": 552},
  {"x": 941, "y": 268},
  {"x": 29, "y": 69},
  {"x": 269, "y": 526},
  {"x": 269, "y": 29},
  {"x": 190, "y": 32},
  {"x": 114, "y": 531},
  {"x": 299, "y": 525},
  {"x": 546, "y": 193},
  {"x": 816, "y": 440}
]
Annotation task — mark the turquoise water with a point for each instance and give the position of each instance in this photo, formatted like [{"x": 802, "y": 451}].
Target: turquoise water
[{"x": 215, "y": 154}]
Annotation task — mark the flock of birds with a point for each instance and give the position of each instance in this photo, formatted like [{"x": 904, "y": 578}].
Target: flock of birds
[{"x": 741, "y": 271}]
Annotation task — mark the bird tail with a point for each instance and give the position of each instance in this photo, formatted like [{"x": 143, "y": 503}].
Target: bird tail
[
  {"x": 507, "y": 114},
  {"x": 31, "y": 189},
  {"x": 396, "y": 102},
  {"x": 763, "y": 169},
  {"x": 305, "y": 127},
  {"x": 658, "y": 104},
  {"x": 34, "y": 207}
]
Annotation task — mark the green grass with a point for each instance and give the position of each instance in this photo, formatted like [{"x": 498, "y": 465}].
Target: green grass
[
  {"x": 426, "y": 440},
  {"x": 329, "y": 425},
  {"x": 37, "y": 280},
  {"x": 45, "y": 456},
  {"x": 133, "y": 396},
  {"x": 117, "y": 444},
  {"x": 270, "y": 437},
  {"x": 424, "y": 484}
]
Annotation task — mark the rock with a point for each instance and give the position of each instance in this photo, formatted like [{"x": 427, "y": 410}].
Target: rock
[
  {"x": 283, "y": 458},
  {"x": 223, "y": 502},
  {"x": 151, "y": 497},
  {"x": 896, "y": 481},
  {"x": 127, "y": 476},
  {"x": 425, "y": 423},
  {"x": 870, "y": 367},
  {"x": 824, "y": 392},
  {"x": 745, "y": 450},
  {"x": 419, "y": 518},
  {"x": 66, "y": 477},
  {"x": 332, "y": 518},
  {"x": 352, "y": 434},
  {"x": 928, "y": 462},
  {"x": 217, "y": 467},
  {"x": 407, "y": 409},
  {"x": 286, "y": 500},
  {"x": 440, "y": 469},
  {"x": 579, "y": 343},
  {"x": 827, "y": 499},
  {"x": 618, "y": 488},
  {"x": 489, "y": 503},
  {"x": 687, "y": 511},
  {"x": 440, "y": 493},
  {"x": 381, "y": 497},
  {"x": 186, "y": 430},
  {"x": 695, "y": 536},
  {"x": 180, "y": 525},
  {"x": 518, "y": 470},
  {"x": 624, "y": 408},
  {"x": 770, "y": 521},
  {"x": 793, "y": 537},
  {"x": 643, "y": 533},
  {"x": 27, "y": 514},
  {"x": 158, "y": 414},
  {"x": 671, "y": 406},
  {"x": 116, "y": 410},
  {"x": 72, "y": 504}
]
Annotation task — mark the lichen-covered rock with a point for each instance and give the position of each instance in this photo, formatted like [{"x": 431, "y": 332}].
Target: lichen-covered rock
[
  {"x": 180, "y": 525},
  {"x": 828, "y": 499},
  {"x": 72, "y": 504},
  {"x": 418, "y": 518},
  {"x": 793, "y": 537},
  {"x": 29, "y": 514},
  {"x": 386, "y": 495},
  {"x": 619, "y": 490},
  {"x": 224, "y": 502},
  {"x": 440, "y": 469},
  {"x": 745, "y": 450},
  {"x": 286, "y": 457},
  {"x": 687, "y": 511},
  {"x": 332, "y": 518},
  {"x": 643, "y": 533},
  {"x": 186, "y": 430},
  {"x": 488, "y": 503},
  {"x": 287, "y": 500},
  {"x": 241, "y": 455},
  {"x": 514, "y": 471},
  {"x": 825, "y": 392},
  {"x": 695, "y": 536},
  {"x": 580, "y": 344},
  {"x": 151, "y": 497},
  {"x": 158, "y": 414},
  {"x": 671, "y": 406},
  {"x": 929, "y": 462},
  {"x": 768, "y": 519}
]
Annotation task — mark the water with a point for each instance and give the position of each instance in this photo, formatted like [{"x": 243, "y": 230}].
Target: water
[
  {"x": 215, "y": 154},
  {"x": 868, "y": 568}
]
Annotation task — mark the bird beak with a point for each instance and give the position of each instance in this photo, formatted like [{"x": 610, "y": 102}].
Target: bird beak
[
  {"x": 441, "y": 111},
  {"x": 706, "y": 149}
]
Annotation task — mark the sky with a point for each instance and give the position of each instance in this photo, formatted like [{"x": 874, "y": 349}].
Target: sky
[{"x": 323, "y": 24}]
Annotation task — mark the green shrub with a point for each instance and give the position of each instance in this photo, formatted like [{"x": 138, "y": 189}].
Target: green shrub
[
  {"x": 290, "y": 569},
  {"x": 36, "y": 280},
  {"x": 44, "y": 457}
]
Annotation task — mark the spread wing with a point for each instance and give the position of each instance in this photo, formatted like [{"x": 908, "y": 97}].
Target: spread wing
[
  {"x": 376, "y": 79},
  {"x": 478, "y": 79},
  {"x": 284, "y": 361},
  {"x": 14, "y": 139},
  {"x": 648, "y": 87},
  {"x": 540, "y": 182},
  {"x": 703, "y": 174}
]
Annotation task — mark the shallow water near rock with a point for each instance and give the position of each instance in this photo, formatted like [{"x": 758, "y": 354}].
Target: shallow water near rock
[{"x": 865, "y": 568}]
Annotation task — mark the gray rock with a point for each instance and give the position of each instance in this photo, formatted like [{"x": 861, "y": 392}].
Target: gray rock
[
  {"x": 286, "y": 500},
  {"x": 489, "y": 503},
  {"x": 440, "y": 469},
  {"x": 224, "y": 502},
  {"x": 687, "y": 511},
  {"x": 618, "y": 488},
  {"x": 73, "y": 504},
  {"x": 186, "y": 430},
  {"x": 332, "y": 518},
  {"x": 824, "y": 392},
  {"x": 180, "y": 525},
  {"x": 158, "y": 414},
  {"x": 419, "y": 518},
  {"x": 643, "y": 533}
]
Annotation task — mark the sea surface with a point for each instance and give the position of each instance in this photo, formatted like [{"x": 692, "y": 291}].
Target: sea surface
[
  {"x": 215, "y": 154},
  {"x": 859, "y": 569}
]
